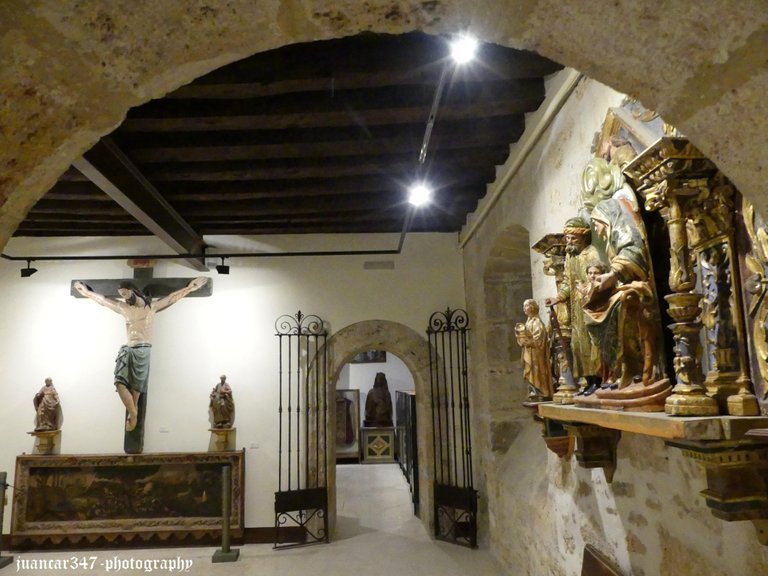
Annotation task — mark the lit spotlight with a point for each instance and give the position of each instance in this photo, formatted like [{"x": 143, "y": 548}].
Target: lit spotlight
[
  {"x": 222, "y": 268},
  {"x": 28, "y": 271},
  {"x": 419, "y": 195},
  {"x": 463, "y": 49}
]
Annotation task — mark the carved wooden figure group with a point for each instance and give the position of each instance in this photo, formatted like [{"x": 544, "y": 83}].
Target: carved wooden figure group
[{"x": 608, "y": 339}]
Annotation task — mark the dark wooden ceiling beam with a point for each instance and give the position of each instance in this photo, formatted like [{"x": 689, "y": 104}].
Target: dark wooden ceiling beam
[
  {"x": 404, "y": 115},
  {"x": 487, "y": 71},
  {"x": 130, "y": 142},
  {"x": 46, "y": 206},
  {"x": 460, "y": 93},
  {"x": 84, "y": 228},
  {"x": 471, "y": 139},
  {"x": 293, "y": 209},
  {"x": 479, "y": 163},
  {"x": 196, "y": 211},
  {"x": 324, "y": 195},
  {"x": 248, "y": 90},
  {"x": 86, "y": 194},
  {"x": 106, "y": 166},
  {"x": 309, "y": 208},
  {"x": 402, "y": 170},
  {"x": 301, "y": 228}
]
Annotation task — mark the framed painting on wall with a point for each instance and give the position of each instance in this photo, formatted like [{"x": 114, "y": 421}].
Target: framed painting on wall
[
  {"x": 370, "y": 356},
  {"x": 348, "y": 424}
]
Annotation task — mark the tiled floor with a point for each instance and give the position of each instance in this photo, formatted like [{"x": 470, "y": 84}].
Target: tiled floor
[{"x": 376, "y": 535}]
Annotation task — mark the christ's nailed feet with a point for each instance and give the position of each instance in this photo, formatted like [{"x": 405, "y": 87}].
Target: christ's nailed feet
[{"x": 130, "y": 423}]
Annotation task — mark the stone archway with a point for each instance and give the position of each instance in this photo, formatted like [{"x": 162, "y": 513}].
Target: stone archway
[
  {"x": 495, "y": 303},
  {"x": 70, "y": 71},
  {"x": 413, "y": 350}
]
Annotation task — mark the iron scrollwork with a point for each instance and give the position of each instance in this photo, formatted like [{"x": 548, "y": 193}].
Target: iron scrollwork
[
  {"x": 449, "y": 320},
  {"x": 307, "y": 325}
]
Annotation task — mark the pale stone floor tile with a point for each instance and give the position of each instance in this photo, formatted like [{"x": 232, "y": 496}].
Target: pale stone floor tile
[{"x": 377, "y": 535}]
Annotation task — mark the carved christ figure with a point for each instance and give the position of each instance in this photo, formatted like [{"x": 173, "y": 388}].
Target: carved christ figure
[{"x": 132, "y": 363}]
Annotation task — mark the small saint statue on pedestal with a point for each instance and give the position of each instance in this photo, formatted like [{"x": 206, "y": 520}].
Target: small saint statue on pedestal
[
  {"x": 221, "y": 411},
  {"x": 532, "y": 337},
  {"x": 222, "y": 405},
  {"x": 48, "y": 414},
  {"x": 48, "y": 420}
]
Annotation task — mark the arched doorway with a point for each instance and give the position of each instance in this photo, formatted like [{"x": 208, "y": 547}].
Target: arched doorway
[{"x": 413, "y": 350}]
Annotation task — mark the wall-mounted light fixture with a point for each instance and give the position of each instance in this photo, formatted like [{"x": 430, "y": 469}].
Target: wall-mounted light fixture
[{"x": 28, "y": 271}]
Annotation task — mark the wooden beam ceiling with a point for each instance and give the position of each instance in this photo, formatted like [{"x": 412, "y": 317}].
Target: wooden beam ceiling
[{"x": 309, "y": 138}]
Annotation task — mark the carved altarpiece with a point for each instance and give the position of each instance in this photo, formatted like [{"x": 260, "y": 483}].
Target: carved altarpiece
[
  {"x": 697, "y": 204},
  {"x": 716, "y": 296},
  {"x": 754, "y": 267}
]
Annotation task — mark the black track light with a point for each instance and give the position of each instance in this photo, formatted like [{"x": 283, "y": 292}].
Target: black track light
[
  {"x": 222, "y": 268},
  {"x": 28, "y": 271}
]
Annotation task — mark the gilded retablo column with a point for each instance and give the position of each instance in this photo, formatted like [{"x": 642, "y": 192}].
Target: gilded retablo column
[{"x": 671, "y": 176}]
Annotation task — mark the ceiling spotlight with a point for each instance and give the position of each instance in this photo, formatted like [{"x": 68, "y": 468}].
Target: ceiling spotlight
[
  {"x": 463, "y": 49},
  {"x": 28, "y": 271},
  {"x": 419, "y": 195},
  {"x": 222, "y": 268}
]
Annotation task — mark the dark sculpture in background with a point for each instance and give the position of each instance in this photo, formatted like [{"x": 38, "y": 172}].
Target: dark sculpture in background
[
  {"x": 534, "y": 340},
  {"x": 48, "y": 414},
  {"x": 222, "y": 405},
  {"x": 378, "y": 403}
]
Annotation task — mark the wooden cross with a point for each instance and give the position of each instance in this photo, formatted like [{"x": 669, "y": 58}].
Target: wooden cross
[{"x": 133, "y": 442}]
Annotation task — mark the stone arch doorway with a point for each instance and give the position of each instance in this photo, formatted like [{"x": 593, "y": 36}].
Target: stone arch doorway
[
  {"x": 71, "y": 73},
  {"x": 413, "y": 350},
  {"x": 507, "y": 282},
  {"x": 498, "y": 388}
]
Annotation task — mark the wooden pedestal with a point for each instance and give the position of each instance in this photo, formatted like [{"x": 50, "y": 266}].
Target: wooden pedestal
[{"x": 378, "y": 445}]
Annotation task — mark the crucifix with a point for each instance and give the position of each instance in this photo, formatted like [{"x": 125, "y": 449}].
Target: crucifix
[{"x": 137, "y": 300}]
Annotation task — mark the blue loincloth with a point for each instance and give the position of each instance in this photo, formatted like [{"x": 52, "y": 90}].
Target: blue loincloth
[{"x": 132, "y": 367}]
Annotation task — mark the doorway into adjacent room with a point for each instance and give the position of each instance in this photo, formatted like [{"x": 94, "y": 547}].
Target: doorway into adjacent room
[{"x": 377, "y": 470}]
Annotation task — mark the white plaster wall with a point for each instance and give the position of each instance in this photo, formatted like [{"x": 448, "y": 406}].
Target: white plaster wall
[
  {"x": 361, "y": 376},
  {"x": 47, "y": 332},
  {"x": 541, "y": 510}
]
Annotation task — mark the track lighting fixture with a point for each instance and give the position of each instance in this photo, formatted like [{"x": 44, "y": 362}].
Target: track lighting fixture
[
  {"x": 222, "y": 268},
  {"x": 28, "y": 271}
]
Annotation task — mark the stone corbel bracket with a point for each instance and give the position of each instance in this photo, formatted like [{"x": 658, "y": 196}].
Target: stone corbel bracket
[
  {"x": 595, "y": 447},
  {"x": 556, "y": 437},
  {"x": 737, "y": 479}
]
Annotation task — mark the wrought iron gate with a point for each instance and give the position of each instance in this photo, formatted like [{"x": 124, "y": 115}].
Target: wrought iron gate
[
  {"x": 302, "y": 497},
  {"x": 455, "y": 496}
]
